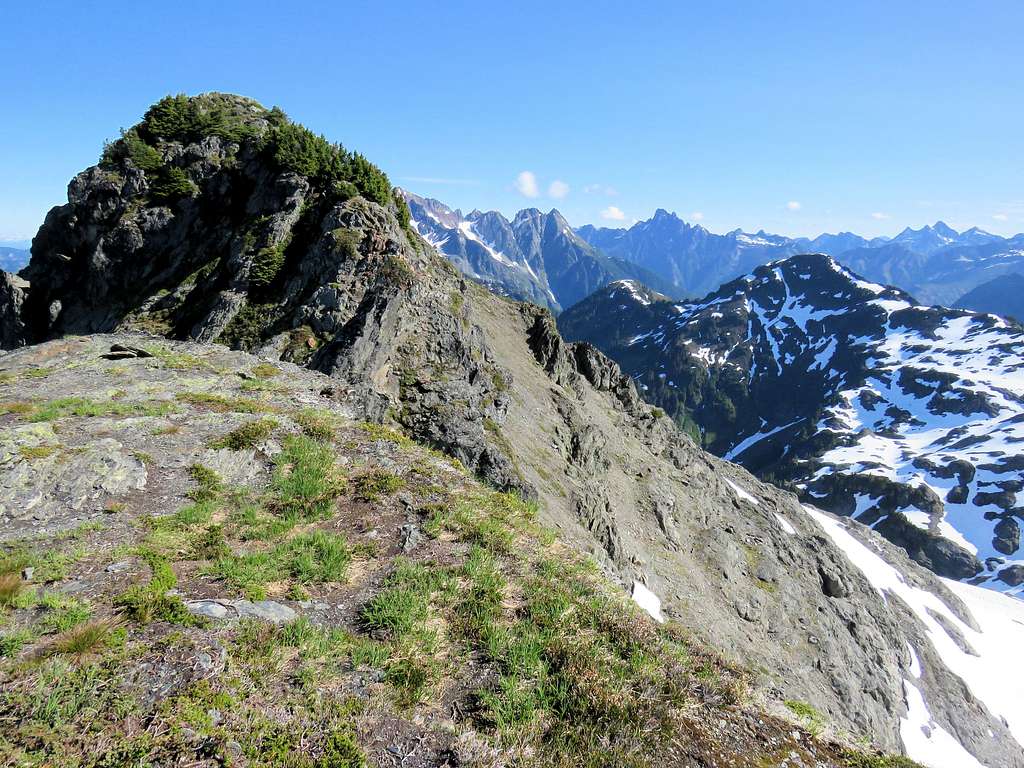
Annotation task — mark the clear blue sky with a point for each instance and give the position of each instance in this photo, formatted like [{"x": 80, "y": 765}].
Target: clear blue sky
[{"x": 796, "y": 117}]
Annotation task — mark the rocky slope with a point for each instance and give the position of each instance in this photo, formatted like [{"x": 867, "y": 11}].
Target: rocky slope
[
  {"x": 904, "y": 416},
  {"x": 535, "y": 257},
  {"x": 211, "y": 560},
  {"x": 277, "y": 260}
]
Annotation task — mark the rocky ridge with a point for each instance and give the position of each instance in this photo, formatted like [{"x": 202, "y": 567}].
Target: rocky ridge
[{"x": 360, "y": 298}]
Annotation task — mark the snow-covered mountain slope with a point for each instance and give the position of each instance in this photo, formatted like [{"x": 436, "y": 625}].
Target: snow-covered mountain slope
[
  {"x": 535, "y": 257},
  {"x": 910, "y": 418},
  {"x": 975, "y": 640}
]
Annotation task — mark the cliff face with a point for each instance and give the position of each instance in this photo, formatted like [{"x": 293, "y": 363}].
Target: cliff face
[{"x": 244, "y": 245}]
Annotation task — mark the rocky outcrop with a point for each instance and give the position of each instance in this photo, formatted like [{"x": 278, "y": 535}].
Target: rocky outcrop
[{"x": 12, "y": 300}]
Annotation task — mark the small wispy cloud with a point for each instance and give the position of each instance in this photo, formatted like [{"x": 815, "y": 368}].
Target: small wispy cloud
[
  {"x": 1000, "y": 217},
  {"x": 599, "y": 189},
  {"x": 526, "y": 184},
  {"x": 879, "y": 216},
  {"x": 558, "y": 189},
  {"x": 441, "y": 180},
  {"x": 793, "y": 205},
  {"x": 697, "y": 216},
  {"x": 611, "y": 213}
]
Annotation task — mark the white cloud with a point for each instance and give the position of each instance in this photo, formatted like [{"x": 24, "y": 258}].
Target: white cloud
[
  {"x": 879, "y": 216},
  {"x": 526, "y": 183},
  {"x": 1000, "y": 217},
  {"x": 600, "y": 189},
  {"x": 697, "y": 216},
  {"x": 793, "y": 205},
  {"x": 611, "y": 213},
  {"x": 558, "y": 189}
]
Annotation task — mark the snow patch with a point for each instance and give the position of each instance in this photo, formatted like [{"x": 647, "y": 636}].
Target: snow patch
[
  {"x": 647, "y": 600},
  {"x": 741, "y": 493},
  {"x": 786, "y": 525}
]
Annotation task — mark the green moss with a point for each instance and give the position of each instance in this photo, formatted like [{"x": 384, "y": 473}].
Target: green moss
[
  {"x": 381, "y": 432},
  {"x": 223, "y": 403},
  {"x": 857, "y": 759},
  {"x": 249, "y": 435},
  {"x": 318, "y": 425},
  {"x": 265, "y": 371},
  {"x": 32, "y": 452},
  {"x": 372, "y": 485}
]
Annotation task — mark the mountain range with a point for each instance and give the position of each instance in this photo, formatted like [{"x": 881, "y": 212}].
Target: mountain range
[
  {"x": 280, "y": 484},
  {"x": 936, "y": 264},
  {"x": 13, "y": 259},
  {"x": 540, "y": 258},
  {"x": 907, "y": 417},
  {"x": 535, "y": 257}
]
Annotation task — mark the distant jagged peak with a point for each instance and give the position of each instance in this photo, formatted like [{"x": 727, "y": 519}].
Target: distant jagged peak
[{"x": 634, "y": 291}]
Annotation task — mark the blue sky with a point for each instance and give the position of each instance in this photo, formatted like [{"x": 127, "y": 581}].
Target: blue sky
[{"x": 798, "y": 117}]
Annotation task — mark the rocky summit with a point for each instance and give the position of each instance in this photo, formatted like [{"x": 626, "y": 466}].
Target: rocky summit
[{"x": 282, "y": 487}]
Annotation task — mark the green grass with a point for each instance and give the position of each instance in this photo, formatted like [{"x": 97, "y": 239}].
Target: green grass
[
  {"x": 143, "y": 603},
  {"x": 62, "y": 613},
  {"x": 306, "y": 480},
  {"x": 249, "y": 435},
  {"x": 84, "y": 407},
  {"x": 51, "y": 563},
  {"x": 310, "y": 558},
  {"x": 86, "y": 638},
  {"x": 11, "y": 585},
  {"x": 12, "y": 641},
  {"x": 812, "y": 719}
]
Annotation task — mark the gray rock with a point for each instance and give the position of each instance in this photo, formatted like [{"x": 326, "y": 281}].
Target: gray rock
[
  {"x": 1013, "y": 575},
  {"x": 265, "y": 610}
]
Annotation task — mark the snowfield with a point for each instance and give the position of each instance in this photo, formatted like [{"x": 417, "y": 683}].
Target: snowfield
[{"x": 991, "y": 672}]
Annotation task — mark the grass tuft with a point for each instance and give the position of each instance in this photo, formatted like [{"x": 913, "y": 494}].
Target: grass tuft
[
  {"x": 85, "y": 639},
  {"x": 372, "y": 485}
]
